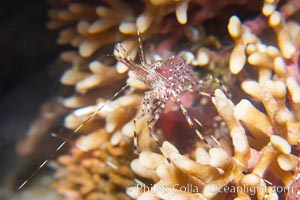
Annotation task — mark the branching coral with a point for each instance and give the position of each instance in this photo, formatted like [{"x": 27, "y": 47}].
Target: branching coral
[
  {"x": 50, "y": 112},
  {"x": 259, "y": 144},
  {"x": 99, "y": 172},
  {"x": 262, "y": 140}
]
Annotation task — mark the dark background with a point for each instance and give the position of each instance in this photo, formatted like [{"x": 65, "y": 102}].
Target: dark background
[{"x": 28, "y": 53}]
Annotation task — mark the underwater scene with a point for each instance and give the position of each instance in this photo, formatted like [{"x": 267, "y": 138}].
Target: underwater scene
[{"x": 150, "y": 99}]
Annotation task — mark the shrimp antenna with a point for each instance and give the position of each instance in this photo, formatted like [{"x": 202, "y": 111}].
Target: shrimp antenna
[
  {"x": 141, "y": 48},
  {"x": 69, "y": 137}
]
